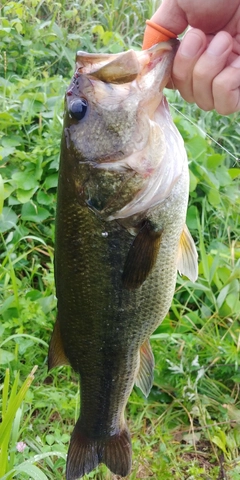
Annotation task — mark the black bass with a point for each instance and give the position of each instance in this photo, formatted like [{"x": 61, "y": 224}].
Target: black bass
[{"x": 120, "y": 239}]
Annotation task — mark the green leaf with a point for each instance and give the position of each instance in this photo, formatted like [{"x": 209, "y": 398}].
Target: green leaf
[
  {"x": 234, "y": 172},
  {"x": 219, "y": 443},
  {"x": 233, "y": 302},
  {"x": 34, "y": 213},
  {"x": 197, "y": 147},
  {"x": 193, "y": 181},
  {"x": 214, "y": 197},
  {"x": 45, "y": 198},
  {"x": 25, "y": 180},
  {"x": 6, "y": 118},
  {"x": 25, "y": 195},
  {"x": 47, "y": 303},
  {"x": 11, "y": 141},
  {"x": 222, "y": 295},
  {"x": 6, "y": 151},
  {"x": 225, "y": 310},
  {"x": 51, "y": 181},
  {"x": 8, "y": 303},
  {"x": 33, "y": 295},
  {"x": 50, "y": 439},
  {"x": 192, "y": 217},
  {"x": 223, "y": 176},
  {"x": 8, "y": 219},
  {"x": 5, "y": 356},
  {"x": 213, "y": 161},
  {"x": 98, "y": 30},
  {"x": 31, "y": 470}
]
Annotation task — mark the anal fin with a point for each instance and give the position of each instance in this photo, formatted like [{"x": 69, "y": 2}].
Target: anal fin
[
  {"x": 142, "y": 256},
  {"x": 56, "y": 354},
  {"x": 144, "y": 379},
  {"x": 85, "y": 453},
  {"x": 187, "y": 260}
]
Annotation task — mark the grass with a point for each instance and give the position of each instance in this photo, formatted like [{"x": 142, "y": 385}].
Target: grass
[{"x": 188, "y": 428}]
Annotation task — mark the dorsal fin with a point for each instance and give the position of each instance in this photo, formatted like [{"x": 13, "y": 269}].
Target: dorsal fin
[
  {"x": 187, "y": 263},
  {"x": 141, "y": 257}
]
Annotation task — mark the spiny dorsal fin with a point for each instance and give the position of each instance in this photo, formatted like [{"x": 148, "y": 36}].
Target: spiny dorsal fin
[
  {"x": 187, "y": 263},
  {"x": 144, "y": 379},
  {"x": 141, "y": 257},
  {"x": 56, "y": 354}
]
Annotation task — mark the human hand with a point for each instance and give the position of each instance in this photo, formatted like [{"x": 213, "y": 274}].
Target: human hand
[
  {"x": 206, "y": 71},
  {"x": 206, "y": 68}
]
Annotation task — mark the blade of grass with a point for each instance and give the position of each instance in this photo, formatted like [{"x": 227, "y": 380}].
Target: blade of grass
[
  {"x": 14, "y": 437},
  {"x": 11, "y": 409}
]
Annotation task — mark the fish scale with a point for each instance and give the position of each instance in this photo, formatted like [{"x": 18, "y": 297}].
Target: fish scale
[{"x": 120, "y": 239}]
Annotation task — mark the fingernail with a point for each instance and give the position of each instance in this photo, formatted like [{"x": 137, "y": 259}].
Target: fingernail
[
  {"x": 190, "y": 45},
  {"x": 236, "y": 63},
  {"x": 218, "y": 45}
]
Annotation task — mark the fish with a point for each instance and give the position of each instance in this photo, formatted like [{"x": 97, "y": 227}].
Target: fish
[{"x": 121, "y": 237}]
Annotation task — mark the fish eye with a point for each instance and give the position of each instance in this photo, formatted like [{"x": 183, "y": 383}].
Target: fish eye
[{"x": 78, "y": 108}]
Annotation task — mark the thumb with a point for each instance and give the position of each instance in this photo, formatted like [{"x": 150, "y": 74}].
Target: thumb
[{"x": 170, "y": 16}]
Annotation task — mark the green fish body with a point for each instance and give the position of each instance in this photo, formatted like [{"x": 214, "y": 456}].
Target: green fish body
[{"x": 120, "y": 239}]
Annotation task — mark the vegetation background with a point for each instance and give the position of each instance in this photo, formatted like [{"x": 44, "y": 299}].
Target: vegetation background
[{"x": 189, "y": 427}]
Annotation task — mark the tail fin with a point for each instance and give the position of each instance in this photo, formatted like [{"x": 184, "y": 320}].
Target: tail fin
[
  {"x": 117, "y": 453},
  {"x": 85, "y": 454}
]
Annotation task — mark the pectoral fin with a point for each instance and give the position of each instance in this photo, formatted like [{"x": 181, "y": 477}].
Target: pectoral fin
[
  {"x": 141, "y": 257},
  {"x": 187, "y": 263},
  {"x": 56, "y": 354},
  {"x": 144, "y": 379}
]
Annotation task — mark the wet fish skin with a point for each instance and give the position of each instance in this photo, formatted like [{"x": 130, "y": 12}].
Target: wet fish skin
[{"x": 120, "y": 237}]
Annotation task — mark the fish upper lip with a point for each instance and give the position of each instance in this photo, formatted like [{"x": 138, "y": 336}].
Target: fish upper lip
[
  {"x": 173, "y": 43},
  {"x": 149, "y": 58}
]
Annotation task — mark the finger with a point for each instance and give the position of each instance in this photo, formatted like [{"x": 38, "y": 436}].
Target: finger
[
  {"x": 169, "y": 15},
  {"x": 226, "y": 89},
  {"x": 191, "y": 48},
  {"x": 209, "y": 65}
]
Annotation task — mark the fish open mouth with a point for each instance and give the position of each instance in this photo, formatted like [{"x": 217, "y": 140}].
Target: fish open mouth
[{"x": 124, "y": 67}]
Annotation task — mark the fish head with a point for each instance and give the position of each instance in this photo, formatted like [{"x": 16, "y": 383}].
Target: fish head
[
  {"x": 111, "y": 98},
  {"x": 121, "y": 149}
]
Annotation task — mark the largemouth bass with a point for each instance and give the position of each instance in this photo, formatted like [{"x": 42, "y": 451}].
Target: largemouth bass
[{"x": 120, "y": 239}]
